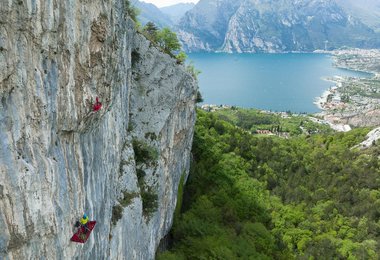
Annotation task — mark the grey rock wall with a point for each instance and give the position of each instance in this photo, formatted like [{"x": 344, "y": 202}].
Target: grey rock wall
[{"x": 58, "y": 159}]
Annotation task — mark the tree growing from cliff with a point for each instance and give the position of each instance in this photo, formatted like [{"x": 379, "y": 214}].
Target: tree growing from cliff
[
  {"x": 199, "y": 98},
  {"x": 165, "y": 39},
  {"x": 132, "y": 11},
  {"x": 150, "y": 31},
  {"x": 181, "y": 57},
  {"x": 168, "y": 40}
]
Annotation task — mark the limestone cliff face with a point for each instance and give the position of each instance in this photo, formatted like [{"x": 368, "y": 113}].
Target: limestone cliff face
[
  {"x": 203, "y": 28},
  {"x": 121, "y": 165}
]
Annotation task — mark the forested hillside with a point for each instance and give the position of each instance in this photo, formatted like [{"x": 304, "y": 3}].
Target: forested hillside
[{"x": 257, "y": 197}]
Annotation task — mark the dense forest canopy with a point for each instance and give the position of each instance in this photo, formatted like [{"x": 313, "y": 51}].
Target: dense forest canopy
[{"x": 311, "y": 196}]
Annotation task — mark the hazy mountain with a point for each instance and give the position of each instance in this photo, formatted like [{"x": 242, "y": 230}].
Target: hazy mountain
[
  {"x": 175, "y": 12},
  {"x": 368, "y": 11},
  {"x": 273, "y": 26},
  {"x": 151, "y": 13}
]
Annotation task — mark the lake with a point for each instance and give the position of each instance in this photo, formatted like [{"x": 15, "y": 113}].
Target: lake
[{"x": 277, "y": 82}]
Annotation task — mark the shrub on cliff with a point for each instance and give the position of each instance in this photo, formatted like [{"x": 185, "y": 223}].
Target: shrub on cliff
[
  {"x": 181, "y": 57},
  {"x": 168, "y": 40},
  {"x": 150, "y": 31},
  {"x": 149, "y": 199},
  {"x": 117, "y": 213},
  {"x": 132, "y": 11},
  {"x": 143, "y": 152},
  {"x": 199, "y": 98}
]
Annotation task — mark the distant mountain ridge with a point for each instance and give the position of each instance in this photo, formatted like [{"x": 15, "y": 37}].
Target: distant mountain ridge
[
  {"x": 276, "y": 26},
  {"x": 204, "y": 27},
  {"x": 175, "y": 12},
  {"x": 367, "y": 11},
  {"x": 167, "y": 16},
  {"x": 151, "y": 13}
]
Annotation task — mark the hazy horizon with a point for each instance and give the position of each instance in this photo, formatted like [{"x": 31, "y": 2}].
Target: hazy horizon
[{"x": 163, "y": 3}]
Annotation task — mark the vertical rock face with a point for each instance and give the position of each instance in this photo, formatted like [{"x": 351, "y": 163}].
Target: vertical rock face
[
  {"x": 58, "y": 159},
  {"x": 203, "y": 28}
]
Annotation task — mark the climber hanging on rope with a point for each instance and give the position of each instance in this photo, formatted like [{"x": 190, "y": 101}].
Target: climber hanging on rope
[
  {"x": 97, "y": 106},
  {"x": 83, "y": 221},
  {"x": 84, "y": 229}
]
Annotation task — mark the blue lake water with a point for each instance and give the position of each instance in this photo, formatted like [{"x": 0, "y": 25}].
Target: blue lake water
[{"x": 277, "y": 82}]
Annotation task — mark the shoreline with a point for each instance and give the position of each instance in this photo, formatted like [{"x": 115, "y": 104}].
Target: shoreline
[
  {"x": 347, "y": 100},
  {"x": 353, "y": 100},
  {"x": 321, "y": 100}
]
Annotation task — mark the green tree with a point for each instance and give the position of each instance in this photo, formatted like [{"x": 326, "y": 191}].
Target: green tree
[
  {"x": 132, "y": 11},
  {"x": 199, "y": 98},
  {"x": 150, "y": 30},
  {"x": 254, "y": 197},
  {"x": 168, "y": 40},
  {"x": 181, "y": 57}
]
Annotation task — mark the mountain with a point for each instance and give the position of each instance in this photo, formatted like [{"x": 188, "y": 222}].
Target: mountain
[
  {"x": 204, "y": 27},
  {"x": 151, "y": 13},
  {"x": 367, "y": 11},
  {"x": 272, "y": 26},
  {"x": 175, "y": 12},
  {"x": 122, "y": 165}
]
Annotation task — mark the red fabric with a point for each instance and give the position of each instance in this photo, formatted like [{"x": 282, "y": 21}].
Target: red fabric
[
  {"x": 80, "y": 236},
  {"x": 97, "y": 106}
]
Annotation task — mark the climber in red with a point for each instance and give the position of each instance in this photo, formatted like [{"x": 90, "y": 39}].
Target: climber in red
[{"x": 97, "y": 106}]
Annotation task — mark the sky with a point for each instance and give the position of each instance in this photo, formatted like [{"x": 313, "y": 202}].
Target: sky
[{"x": 162, "y": 3}]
